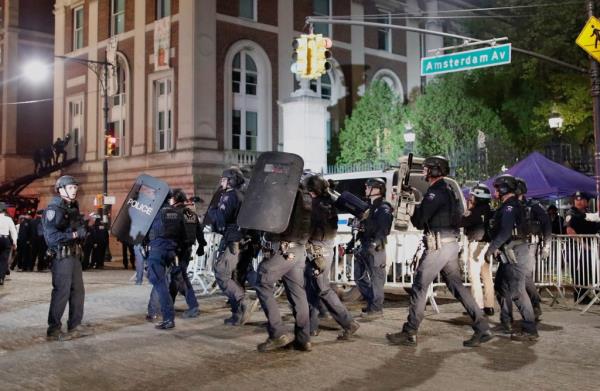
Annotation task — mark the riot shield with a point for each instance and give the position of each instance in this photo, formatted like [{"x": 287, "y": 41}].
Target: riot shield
[
  {"x": 269, "y": 199},
  {"x": 139, "y": 209}
]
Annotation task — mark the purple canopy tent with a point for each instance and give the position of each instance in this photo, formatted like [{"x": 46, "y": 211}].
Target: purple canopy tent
[{"x": 547, "y": 179}]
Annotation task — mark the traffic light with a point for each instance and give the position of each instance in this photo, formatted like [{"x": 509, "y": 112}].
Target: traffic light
[
  {"x": 110, "y": 141},
  {"x": 300, "y": 57},
  {"x": 321, "y": 56}
]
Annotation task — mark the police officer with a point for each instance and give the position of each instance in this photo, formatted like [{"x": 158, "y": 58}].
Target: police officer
[
  {"x": 8, "y": 236},
  {"x": 192, "y": 232},
  {"x": 223, "y": 217},
  {"x": 23, "y": 258},
  {"x": 323, "y": 229},
  {"x": 64, "y": 230},
  {"x": 285, "y": 259},
  {"x": 99, "y": 238},
  {"x": 509, "y": 244},
  {"x": 38, "y": 248},
  {"x": 576, "y": 224},
  {"x": 474, "y": 223},
  {"x": 165, "y": 232},
  {"x": 539, "y": 236},
  {"x": 438, "y": 216},
  {"x": 370, "y": 260}
]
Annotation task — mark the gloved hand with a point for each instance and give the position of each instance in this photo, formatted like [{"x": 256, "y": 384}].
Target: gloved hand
[
  {"x": 319, "y": 264},
  {"x": 491, "y": 254},
  {"x": 200, "y": 251},
  {"x": 545, "y": 252}
]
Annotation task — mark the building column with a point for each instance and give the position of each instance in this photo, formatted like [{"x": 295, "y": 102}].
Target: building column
[
  {"x": 10, "y": 57},
  {"x": 138, "y": 140},
  {"x": 197, "y": 106},
  {"x": 93, "y": 138},
  {"x": 285, "y": 17},
  {"x": 59, "y": 70},
  {"x": 357, "y": 55},
  {"x": 413, "y": 52}
]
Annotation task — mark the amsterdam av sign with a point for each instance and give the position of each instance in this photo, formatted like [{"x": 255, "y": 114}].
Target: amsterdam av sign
[{"x": 464, "y": 61}]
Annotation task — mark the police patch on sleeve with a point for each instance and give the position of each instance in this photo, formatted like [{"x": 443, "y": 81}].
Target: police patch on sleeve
[
  {"x": 50, "y": 215},
  {"x": 568, "y": 218},
  {"x": 431, "y": 196},
  {"x": 509, "y": 208}
]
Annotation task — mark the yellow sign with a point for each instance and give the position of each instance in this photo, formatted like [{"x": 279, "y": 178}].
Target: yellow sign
[{"x": 589, "y": 38}]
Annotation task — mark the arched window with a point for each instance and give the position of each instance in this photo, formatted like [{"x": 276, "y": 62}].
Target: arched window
[
  {"x": 392, "y": 80},
  {"x": 247, "y": 98},
  {"x": 118, "y": 103}
]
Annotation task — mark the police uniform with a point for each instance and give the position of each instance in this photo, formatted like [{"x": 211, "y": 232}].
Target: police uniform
[
  {"x": 223, "y": 217},
  {"x": 184, "y": 253},
  {"x": 8, "y": 236},
  {"x": 323, "y": 229},
  {"x": 509, "y": 236},
  {"x": 63, "y": 231},
  {"x": 479, "y": 270},
  {"x": 370, "y": 260},
  {"x": 438, "y": 216},
  {"x": 165, "y": 231},
  {"x": 575, "y": 219},
  {"x": 99, "y": 240},
  {"x": 23, "y": 259},
  {"x": 285, "y": 259},
  {"x": 539, "y": 227},
  {"x": 38, "y": 243}
]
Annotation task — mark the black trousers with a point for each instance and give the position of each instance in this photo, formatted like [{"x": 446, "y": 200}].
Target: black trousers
[
  {"x": 5, "y": 247},
  {"x": 67, "y": 287}
]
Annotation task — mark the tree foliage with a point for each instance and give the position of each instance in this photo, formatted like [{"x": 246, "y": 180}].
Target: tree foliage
[{"x": 374, "y": 131}]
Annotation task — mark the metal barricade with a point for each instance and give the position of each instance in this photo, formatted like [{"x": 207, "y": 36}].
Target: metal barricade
[
  {"x": 200, "y": 269},
  {"x": 575, "y": 262}
]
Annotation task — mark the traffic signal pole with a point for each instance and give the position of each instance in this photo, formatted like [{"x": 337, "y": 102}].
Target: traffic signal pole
[{"x": 595, "y": 92}]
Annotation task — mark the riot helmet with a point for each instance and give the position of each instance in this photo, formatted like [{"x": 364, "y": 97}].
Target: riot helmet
[
  {"x": 179, "y": 196},
  {"x": 521, "y": 186},
  {"x": 62, "y": 183},
  {"x": 376, "y": 183},
  {"x": 505, "y": 184},
  {"x": 437, "y": 166},
  {"x": 316, "y": 184},
  {"x": 481, "y": 192},
  {"x": 235, "y": 177}
]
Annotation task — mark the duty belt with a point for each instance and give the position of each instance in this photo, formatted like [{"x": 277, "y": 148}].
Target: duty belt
[{"x": 68, "y": 250}]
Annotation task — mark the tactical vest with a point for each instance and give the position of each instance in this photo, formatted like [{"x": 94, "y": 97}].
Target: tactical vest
[
  {"x": 298, "y": 229},
  {"x": 447, "y": 217},
  {"x": 532, "y": 223},
  {"x": 168, "y": 225},
  {"x": 324, "y": 219},
  {"x": 190, "y": 224}
]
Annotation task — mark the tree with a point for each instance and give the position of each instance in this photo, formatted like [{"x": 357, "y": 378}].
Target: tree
[
  {"x": 447, "y": 121},
  {"x": 526, "y": 92},
  {"x": 374, "y": 130}
]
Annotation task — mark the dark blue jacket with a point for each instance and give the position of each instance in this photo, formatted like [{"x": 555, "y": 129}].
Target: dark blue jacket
[
  {"x": 224, "y": 215},
  {"x": 60, "y": 220}
]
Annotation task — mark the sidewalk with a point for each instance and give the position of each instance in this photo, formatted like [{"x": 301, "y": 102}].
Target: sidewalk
[{"x": 127, "y": 353}]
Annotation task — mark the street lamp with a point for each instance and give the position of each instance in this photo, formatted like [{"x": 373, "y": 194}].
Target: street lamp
[
  {"x": 409, "y": 137},
  {"x": 36, "y": 71},
  {"x": 555, "y": 121}
]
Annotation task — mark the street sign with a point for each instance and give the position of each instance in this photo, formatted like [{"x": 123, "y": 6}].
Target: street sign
[
  {"x": 589, "y": 38},
  {"x": 110, "y": 200},
  {"x": 464, "y": 61}
]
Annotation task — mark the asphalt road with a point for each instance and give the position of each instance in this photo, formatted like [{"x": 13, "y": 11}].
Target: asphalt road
[{"x": 125, "y": 352}]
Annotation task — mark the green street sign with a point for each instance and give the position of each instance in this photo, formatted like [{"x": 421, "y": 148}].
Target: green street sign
[{"x": 464, "y": 61}]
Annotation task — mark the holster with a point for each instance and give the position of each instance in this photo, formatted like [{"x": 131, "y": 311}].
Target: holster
[
  {"x": 316, "y": 258},
  {"x": 433, "y": 241},
  {"x": 507, "y": 254}
]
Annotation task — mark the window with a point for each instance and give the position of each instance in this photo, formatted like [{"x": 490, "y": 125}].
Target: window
[
  {"x": 118, "y": 104},
  {"x": 248, "y": 9},
  {"x": 384, "y": 35},
  {"x": 163, "y": 8},
  {"x": 322, "y": 86},
  {"x": 75, "y": 122},
  {"x": 391, "y": 80},
  {"x": 163, "y": 121},
  {"x": 322, "y": 8},
  {"x": 244, "y": 116},
  {"x": 78, "y": 28},
  {"x": 117, "y": 19}
]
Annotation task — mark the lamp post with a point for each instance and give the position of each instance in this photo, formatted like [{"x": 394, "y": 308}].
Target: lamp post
[
  {"x": 409, "y": 138},
  {"x": 36, "y": 71},
  {"x": 595, "y": 92},
  {"x": 556, "y": 151}
]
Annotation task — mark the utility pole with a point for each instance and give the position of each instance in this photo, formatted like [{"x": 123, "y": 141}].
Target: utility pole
[{"x": 595, "y": 92}]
